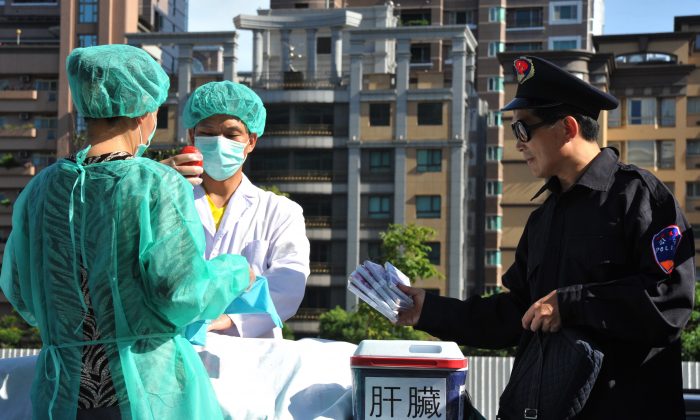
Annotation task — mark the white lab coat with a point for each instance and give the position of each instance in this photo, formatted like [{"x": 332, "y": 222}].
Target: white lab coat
[{"x": 269, "y": 231}]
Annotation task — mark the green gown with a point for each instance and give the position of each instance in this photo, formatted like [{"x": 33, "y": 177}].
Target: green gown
[{"x": 132, "y": 225}]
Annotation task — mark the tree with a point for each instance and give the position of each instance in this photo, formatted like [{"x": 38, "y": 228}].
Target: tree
[
  {"x": 274, "y": 189},
  {"x": 15, "y": 333},
  {"x": 690, "y": 337},
  {"x": 405, "y": 247}
]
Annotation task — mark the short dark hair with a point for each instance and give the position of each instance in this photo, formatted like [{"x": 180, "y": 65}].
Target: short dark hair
[{"x": 589, "y": 127}]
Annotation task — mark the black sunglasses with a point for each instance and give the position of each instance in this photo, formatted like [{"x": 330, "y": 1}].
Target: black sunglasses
[{"x": 523, "y": 132}]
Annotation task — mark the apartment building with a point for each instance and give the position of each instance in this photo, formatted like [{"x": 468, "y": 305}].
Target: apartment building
[
  {"x": 360, "y": 140},
  {"x": 657, "y": 126},
  {"x": 498, "y": 26},
  {"x": 37, "y": 123}
]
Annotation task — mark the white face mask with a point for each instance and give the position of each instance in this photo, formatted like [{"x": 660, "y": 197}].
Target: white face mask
[
  {"x": 142, "y": 147},
  {"x": 222, "y": 157}
]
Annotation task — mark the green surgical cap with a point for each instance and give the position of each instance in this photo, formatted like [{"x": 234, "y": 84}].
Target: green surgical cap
[
  {"x": 226, "y": 98},
  {"x": 115, "y": 81}
]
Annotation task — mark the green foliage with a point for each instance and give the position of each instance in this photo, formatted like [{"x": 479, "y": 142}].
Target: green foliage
[
  {"x": 690, "y": 337},
  {"x": 365, "y": 324},
  {"x": 7, "y": 160},
  {"x": 15, "y": 333},
  {"x": 274, "y": 189},
  {"x": 405, "y": 247},
  {"x": 287, "y": 332}
]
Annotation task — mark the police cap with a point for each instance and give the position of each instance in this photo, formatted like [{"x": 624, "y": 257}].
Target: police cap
[{"x": 542, "y": 84}]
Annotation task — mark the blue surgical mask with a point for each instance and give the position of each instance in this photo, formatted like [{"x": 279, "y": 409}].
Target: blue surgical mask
[
  {"x": 141, "y": 149},
  {"x": 221, "y": 157}
]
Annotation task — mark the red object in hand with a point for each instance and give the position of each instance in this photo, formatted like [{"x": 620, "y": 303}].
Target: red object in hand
[{"x": 191, "y": 149}]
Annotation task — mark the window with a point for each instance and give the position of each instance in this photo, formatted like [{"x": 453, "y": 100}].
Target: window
[
  {"x": 646, "y": 57},
  {"x": 493, "y": 257},
  {"x": 379, "y": 114},
  {"x": 497, "y": 14},
  {"x": 495, "y": 84},
  {"x": 693, "y": 105},
  {"x": 162, "y": 119},
  {"x": 415, "y": 18},
  {"x": 641, "y": 111},
  {"x": 494, "y": 118},
  {"x": 494, "y": 153},
  {"x": 693, "y": 147},
  {"x": 692, "y": 189},
  {"x": 80, "y": 126},
  {"x": 429, "y": 160},
  {"x": 379, "y": 161},
  {"x": 559, "y": 43},
  {"x": 374, "y": 251},
  {"x": 563, "y": 12},
  {"x": 667, "y": 111},
  {"x": 493, "y": 222},
  {"x": 526, "y": 17},
  {"x": 301, "y": 5},
  {"x": 468, "y": 17},
  {"x": 430, "y": 113},
  {"x": 614, "y": 118},
  {"x": 50, "y": 85},
  {"x": 420, "y": 53},
  {"x": 319, "y": 251},
  {"x": 87, "y": 40},
  {"x": 494, "y": 188},
  {"x": 523, "y": 46},
  {"x": 495, "y": 48},
  {"x": 323, "y": 45},
  {"x": 32, "y": 2},
  {"x": 379, "y": 207},
  {"x": 652, "y": 154},
  {"x": 44, "y": 122},
  {"x": 697, "y": 42},
  {"x": 428, "y": 206},
  {"x": 87, "y": 11},
  {"x": 434, "y": 253}
]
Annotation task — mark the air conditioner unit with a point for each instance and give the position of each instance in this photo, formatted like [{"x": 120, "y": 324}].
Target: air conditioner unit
[
  {"x": 24, "y": 116},
  {"x": 25, "y": 78}
]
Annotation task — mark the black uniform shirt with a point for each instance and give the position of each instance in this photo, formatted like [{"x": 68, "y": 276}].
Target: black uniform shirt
[{"x": 620, "y": 253}]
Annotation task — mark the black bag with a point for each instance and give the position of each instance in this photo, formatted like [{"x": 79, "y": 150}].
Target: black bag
[{"x": 553, "y": 377}]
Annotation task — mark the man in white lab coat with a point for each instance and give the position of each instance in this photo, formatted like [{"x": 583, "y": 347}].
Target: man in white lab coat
[{"x": 225, "y": 121}]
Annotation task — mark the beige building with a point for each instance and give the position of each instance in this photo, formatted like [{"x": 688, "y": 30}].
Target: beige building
[
  {"x": 498, "y": 26},
  {"x": 656, "y": 77},
  {"x": 37, "y": 123}
]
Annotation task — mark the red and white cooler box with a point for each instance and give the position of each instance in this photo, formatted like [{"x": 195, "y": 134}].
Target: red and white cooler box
[{"x": 401, "y": 379}]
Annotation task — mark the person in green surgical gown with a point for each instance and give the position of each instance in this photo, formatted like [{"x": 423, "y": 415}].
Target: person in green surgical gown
[{"x": 106, "y": 257}]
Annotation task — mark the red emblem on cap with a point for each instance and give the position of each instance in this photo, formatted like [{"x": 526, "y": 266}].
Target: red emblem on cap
[{"x": 524, "y": 69}]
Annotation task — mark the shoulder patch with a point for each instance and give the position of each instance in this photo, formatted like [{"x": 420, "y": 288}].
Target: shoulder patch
[{"x": 664, "y": 245}]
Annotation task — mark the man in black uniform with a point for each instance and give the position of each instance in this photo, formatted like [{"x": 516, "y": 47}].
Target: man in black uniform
[{"x": 609, "y": 252}]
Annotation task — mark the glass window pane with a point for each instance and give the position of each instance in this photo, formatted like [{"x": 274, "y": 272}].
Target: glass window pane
[
  {"x": 666, "y": 151},
  {"x": 668, "y": 112},
  {"x": 641, "y": 153},
  {"x": 430, "y": 113},
  {"x": 694, "y": 105}
]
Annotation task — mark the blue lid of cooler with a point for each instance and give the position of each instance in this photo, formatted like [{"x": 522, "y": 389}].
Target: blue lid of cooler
[{"x": 409, "y": 353}]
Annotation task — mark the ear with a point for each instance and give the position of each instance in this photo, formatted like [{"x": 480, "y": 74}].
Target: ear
[
  {"x": 252, "y": 141},
  {"x": 571, "y": 127}
]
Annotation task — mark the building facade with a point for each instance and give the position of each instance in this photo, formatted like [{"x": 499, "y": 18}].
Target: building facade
[{"x": 360, "y": 138}]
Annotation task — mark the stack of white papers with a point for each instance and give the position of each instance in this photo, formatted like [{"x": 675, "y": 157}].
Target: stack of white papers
[{"x": 377, "y": 286}]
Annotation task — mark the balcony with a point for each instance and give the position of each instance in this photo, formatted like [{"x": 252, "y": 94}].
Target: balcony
[
  {"x": 378, "y": 81},
  {"x": 296, "y": 80},
  {"x": 298, "y": 176},
  {"x": 299, "y": 130},
  {"x": 18, "y": 95},
  {"x": 309, "y": 314},
  {"x": 318, "y": 221},
  {"x": 327, "y": 268},
  {"x": 17, "y": 132}
]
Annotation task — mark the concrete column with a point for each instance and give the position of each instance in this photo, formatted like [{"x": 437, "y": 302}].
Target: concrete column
[
  {"x": 400, "y": 185},
  {"x": 257, "y": 55},
  {"x": 311, "y": 54},
  {"x": 459, "y": 84},
  {"x": 230, "y": 61},
  {"x": 184, "y": 76},
  {"x": 403, "y": 57},
  {"x": 336, "y": 53},
  {"x": 353, "y": 239},
  {"x": 356, "y": 55},
  {"x": 458, "y": 170},
  {"x": 266, "y": 54},
  {"x": 284, "y": 44}
]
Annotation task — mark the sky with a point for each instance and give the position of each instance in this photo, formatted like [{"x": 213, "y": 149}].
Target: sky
[{"x": 621, "y": 17}]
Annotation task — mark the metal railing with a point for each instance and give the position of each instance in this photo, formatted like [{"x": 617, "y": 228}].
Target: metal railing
[
  {"x": 299, "y": 130},
  {"x": 297, "y": 80},
  {"x": 296, "y": 175},
  {"x": 308, "y": 314}
]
